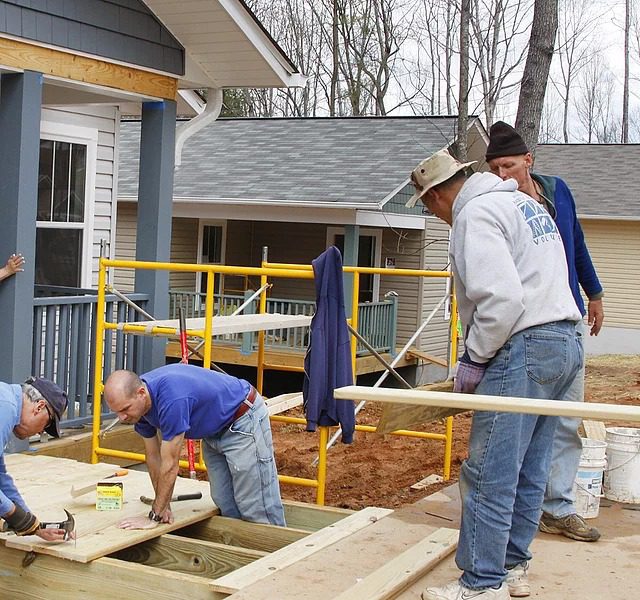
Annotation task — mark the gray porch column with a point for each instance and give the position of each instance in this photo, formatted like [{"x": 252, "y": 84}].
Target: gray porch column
[
  {"x": 155, "y": 198},
  {"x": 351, "y": 243},
  {"x": 20, "y": 101}
]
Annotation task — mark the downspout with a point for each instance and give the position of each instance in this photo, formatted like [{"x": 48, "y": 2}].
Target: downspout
[{"x": 210, "y": 113}]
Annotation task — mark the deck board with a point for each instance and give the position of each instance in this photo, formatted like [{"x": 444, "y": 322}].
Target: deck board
[{"x": 45, "y": 484}]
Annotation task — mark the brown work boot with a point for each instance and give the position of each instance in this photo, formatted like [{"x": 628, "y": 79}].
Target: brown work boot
[{"x": 572, "y": 526}]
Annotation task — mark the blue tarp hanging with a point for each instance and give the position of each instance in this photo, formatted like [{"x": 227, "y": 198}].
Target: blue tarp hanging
[{"x": 327, "y": 364}]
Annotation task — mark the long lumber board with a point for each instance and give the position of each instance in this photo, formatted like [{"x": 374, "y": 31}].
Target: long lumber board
[
  {"x": 559, "y": 408},
  {"x": 297, "y": 551},
  {"x": 404, "y": 569},
  {"x": 45, "y": 483}
]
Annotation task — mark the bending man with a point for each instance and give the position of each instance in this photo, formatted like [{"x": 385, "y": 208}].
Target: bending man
[
  {"x": 28, "y": 409},
  {"x": 180, "y": 401}
]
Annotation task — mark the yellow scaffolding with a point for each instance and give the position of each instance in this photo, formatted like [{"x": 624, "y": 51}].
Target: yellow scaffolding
[{"x": 264, "y": 272}]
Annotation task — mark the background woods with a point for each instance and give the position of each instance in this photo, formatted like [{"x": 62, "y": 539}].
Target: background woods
[{"x": 379, "y": 57}]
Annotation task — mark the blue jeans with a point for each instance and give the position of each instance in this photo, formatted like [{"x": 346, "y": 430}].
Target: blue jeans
[
  {"x": 559, "y": 498},
  {"x": 502, "y": 481},
  {"x": 242, "y": 468}
]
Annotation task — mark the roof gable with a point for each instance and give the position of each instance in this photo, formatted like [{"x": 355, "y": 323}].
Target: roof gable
[
  {"x": 603, "y": 178},
  {"x": 355, "y": 161}
]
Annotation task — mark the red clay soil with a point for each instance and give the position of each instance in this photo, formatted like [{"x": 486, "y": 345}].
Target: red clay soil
[{"x": 379, "y": 470}]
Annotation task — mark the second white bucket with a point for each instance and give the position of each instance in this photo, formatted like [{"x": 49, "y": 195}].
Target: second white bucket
[
  {"x": 622, "y": 475},
  {"x": 588, "y": 483}
]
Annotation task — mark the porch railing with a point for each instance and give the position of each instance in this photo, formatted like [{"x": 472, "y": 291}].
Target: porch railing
[
  {"x": 63, "y": 346},
  {"x": 377, "y": 321}
]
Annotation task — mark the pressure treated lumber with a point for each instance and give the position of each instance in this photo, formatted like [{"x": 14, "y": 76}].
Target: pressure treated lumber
[
  {"x": 558, "y": 408},
  {"x": 184, "y": 555},
  {"x": 406, "y": 568},
  {"x": 594, "y": 430},
  {"x": 49, "y": 578},
  {"x": 44, "y": 483},
  {"x": 311, "y": 517},
  {"x": 297, "y": 551},
  {"x": 396, "y": 417},
  {"x": 282, "y": 403},
  {"x": 235, "y": 532}
]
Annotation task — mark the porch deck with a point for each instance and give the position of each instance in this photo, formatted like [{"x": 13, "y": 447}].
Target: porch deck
[{"x": 278, "y": 359}]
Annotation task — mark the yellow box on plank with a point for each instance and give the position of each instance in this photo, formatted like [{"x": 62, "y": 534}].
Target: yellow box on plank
[{"x": 109, "y": 496}]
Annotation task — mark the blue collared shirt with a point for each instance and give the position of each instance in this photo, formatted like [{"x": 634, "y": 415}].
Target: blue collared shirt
[{"x": 10, "y": 408}]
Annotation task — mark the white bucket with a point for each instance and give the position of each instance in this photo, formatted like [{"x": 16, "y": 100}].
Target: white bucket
[
  {"x": 587, "y": 487},
  {"x": 622, "y": 476}
]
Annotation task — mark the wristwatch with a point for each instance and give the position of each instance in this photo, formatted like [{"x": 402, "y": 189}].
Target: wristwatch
[{"x": 154, "y": 516}]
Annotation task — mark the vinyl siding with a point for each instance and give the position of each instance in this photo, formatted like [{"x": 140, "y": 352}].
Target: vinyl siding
[
  {"x": 102, "y": 119},
  {"x": 183, "y": 249},
  {"x": 615, "y": 248}
]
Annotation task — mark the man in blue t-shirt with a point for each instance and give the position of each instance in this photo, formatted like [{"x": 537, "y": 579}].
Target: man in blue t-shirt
[
  {"x": 509, "y": 158},
  {"x": 180, "y": 401}
]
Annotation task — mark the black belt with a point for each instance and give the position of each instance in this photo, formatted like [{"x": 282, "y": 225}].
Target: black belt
[{"x": 246, "y": 404}]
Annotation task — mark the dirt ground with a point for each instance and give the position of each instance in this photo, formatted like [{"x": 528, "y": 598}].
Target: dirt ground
[{"x": 379, "y": 470}]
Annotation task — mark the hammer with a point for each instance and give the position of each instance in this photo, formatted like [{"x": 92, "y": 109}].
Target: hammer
[{"x": 178, "y": 498}]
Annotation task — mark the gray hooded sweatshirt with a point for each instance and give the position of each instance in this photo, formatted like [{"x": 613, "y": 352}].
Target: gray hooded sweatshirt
[{"x": 508, "y": 262}]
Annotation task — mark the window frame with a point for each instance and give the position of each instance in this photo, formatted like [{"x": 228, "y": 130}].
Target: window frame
[
  {"x": 332, "y": 232},
  {"x": 88, "y": 137}
]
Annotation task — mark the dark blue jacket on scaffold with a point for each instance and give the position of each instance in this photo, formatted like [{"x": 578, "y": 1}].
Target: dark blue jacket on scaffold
[
  {"x": 327, "y": 364},
  {"x": 582, "y": 273}
]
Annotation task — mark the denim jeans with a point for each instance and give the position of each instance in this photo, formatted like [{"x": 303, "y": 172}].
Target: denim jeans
[
  {"x": 559, "y": 498},
  {"x": 502, "y": 481},
  {"x": 242, "y": 468}
]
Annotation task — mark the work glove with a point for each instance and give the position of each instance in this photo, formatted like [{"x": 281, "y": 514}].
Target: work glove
[
  {"x": 21, "y": 521},
  {"x": 468, "y": 375}
]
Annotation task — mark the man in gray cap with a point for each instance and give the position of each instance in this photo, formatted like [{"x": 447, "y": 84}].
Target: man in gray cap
[
  {"x": 520, "y": 340},
  {"x": 28, "y": 409}
]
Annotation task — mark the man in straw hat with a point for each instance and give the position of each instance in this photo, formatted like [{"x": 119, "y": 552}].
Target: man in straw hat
[
  {"x": 509, "y": 158},
  {"x": 519, "y": 319}
]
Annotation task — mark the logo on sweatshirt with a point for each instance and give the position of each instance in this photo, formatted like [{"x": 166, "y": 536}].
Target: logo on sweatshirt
[{"x": 538, "y": 219}]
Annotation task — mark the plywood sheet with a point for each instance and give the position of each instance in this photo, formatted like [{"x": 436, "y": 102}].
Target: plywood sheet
[{"x": 45, "y": 482}]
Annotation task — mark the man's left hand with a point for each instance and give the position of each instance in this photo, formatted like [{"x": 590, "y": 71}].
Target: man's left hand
[
  {"x": 468, "y": 375},
  {"x": 595, "y": 316}
]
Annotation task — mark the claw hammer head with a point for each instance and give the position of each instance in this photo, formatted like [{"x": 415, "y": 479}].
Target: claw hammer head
[{"x": 69, "y": 525}]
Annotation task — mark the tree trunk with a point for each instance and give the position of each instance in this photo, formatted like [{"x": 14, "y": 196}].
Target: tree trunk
[
  {"x": 463, "y": 93},
  {"x": 625, "y": 93},
  {"x": 536, "y": 70},
  {"x": 334, "y": 60}
]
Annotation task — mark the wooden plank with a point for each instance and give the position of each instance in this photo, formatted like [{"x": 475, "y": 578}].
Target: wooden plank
[
  {"x": 497, "y": 403},
  {"x": 25, "y": 56},
  {"x": 283, "y": 402},
  {"x": 49, "y": 577},
  {"x": 298, "y": 550},
  {"x": 45, "y": 483},
  {"x": 415, "y": 353},
  {"x": 184, "y": 555},
  {"x": 426, "y": 482},
  {"x": 235, "y": 532},
  {"x": 404, "y": 569},
  {"x": 594, "y": 430},
  {"x": 396, "y": 417},
  {"x": 225, "y": 323},
  {"x": 311, "y": 517}
]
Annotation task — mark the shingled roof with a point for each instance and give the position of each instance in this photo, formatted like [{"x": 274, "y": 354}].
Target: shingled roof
[
  {"x": 604, "y": 178},
  {"x": 327, "y": 161}
]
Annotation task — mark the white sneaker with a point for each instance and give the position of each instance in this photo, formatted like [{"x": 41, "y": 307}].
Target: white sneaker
[
  {"x": 517, "y": 581},
  {"x": 456, "y": 591}
]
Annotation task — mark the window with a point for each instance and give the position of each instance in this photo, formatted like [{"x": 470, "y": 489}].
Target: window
[
  {"x": 211, "y": 252},
  {"x": 369, "y": 251},
  {"x": 63, "y": 224}
]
